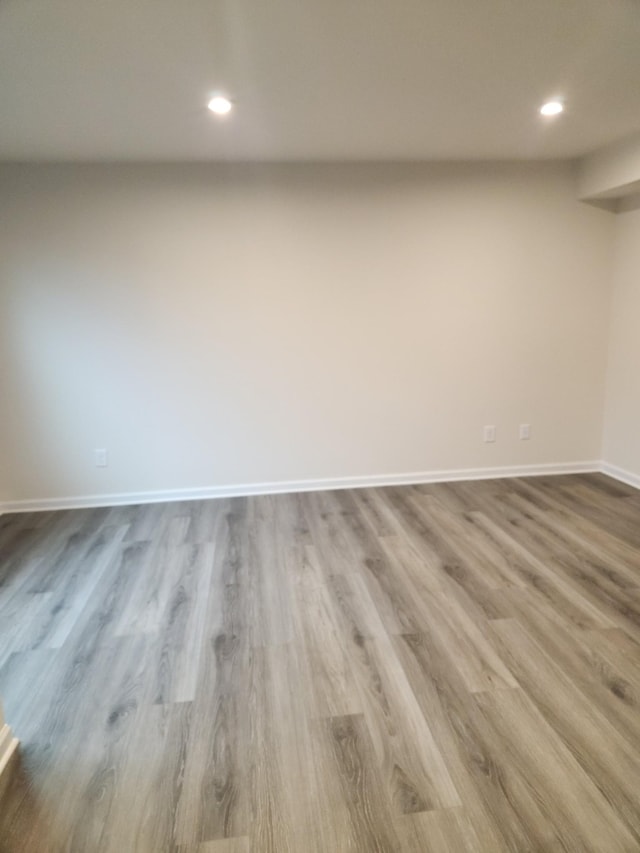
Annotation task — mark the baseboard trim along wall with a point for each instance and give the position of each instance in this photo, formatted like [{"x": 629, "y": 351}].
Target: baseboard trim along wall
[
  {"x": 8, "y": 755},
  {"x": 287, "y": 486},
  {"x": 620, "y": 474}
]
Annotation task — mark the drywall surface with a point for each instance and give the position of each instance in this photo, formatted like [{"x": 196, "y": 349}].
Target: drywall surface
[
  {"x": 622, "y": 413},
  {"x": 611, "y": 172},
  {"x": 213, "y": 325}
]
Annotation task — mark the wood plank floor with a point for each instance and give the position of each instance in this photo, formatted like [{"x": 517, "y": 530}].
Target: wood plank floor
[{"x": 449, "y": 667}]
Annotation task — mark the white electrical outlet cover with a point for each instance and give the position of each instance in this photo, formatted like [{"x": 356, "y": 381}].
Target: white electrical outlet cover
[{"x": 489, "y": 433}]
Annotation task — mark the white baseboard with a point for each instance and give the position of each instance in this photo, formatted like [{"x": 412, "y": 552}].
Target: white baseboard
[
  {"x": 620, "y": 474},
  {"x": 284, "y": 486},
  {"x": 8, "y": 754}
]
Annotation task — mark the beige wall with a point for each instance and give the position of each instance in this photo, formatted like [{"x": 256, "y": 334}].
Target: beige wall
[
  {"x": 622, "y": 415},
  {"x": 214, "y": 326}
]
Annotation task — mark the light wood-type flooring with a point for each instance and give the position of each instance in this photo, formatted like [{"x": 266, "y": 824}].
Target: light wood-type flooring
[{"x": 451, "y": 667}]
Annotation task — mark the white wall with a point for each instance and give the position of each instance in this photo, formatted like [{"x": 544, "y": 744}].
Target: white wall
[
  {"x": 622, "y": 414},
  {"x": 229, "y": 325}
]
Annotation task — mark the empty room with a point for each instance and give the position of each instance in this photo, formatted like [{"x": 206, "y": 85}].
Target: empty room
[{"x": 319, "y": 426}]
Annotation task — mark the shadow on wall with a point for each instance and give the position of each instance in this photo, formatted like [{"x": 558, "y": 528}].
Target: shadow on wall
[{"x": 629, "y": 203}]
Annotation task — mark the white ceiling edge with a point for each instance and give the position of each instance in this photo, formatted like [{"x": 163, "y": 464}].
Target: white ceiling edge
[
  {"x": 233, "y": 168},
  {"x": 607, "y": 174}
]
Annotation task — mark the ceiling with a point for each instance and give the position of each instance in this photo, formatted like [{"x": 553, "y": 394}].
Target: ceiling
[{"x": 315, "y": 79}]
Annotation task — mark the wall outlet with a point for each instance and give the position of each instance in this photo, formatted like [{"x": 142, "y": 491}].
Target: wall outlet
[
  {"x": 100, "y": 456},
  {"x": 489, "y": 433},
  {"x": 525, "y": 432}
]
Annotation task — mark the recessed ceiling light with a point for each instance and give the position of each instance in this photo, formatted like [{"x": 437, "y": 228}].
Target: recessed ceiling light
[
  {"x": 551, "y": 108},
  {"x": 220, "y": 105}
]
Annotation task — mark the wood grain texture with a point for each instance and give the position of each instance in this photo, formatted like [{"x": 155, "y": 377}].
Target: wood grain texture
[{"x": 433, "y": 669}]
